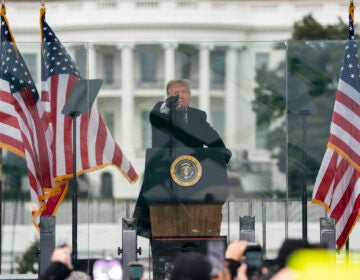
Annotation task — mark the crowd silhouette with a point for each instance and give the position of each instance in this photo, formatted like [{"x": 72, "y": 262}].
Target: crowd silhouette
[{"x": 296, "y": 259}]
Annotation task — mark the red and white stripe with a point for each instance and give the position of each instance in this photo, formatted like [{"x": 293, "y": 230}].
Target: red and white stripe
[
  {"x": 10, "y": 133},
  {"x": 26, "y": 132},
  {"x": 95, "y": 147},
  {"x": 337, "y": 185}
]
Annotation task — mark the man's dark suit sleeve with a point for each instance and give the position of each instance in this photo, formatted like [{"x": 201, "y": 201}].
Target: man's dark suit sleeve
[
  {"x": 210, "y": 137},
  {"x": 160, "y": 126},
  {"x": 208, "y": 134},
  {"x": 168, "y": 130},
  {"x": 55, "y": 271}
]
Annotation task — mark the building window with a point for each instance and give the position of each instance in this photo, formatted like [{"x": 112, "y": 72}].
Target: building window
[
  {"x": 262, "y": 126},
  {"x": 146, "y": 130},
  {"x": 186, "y": 64},
  {"x": 188, "y": 58},
  {"x": 261, "y": 60},
  {"x": 31, "y": 62},
  {"x": 261, "y": 133},
  {"x": 219, "y": 122},
  {"x": 217, "y": 66},
  {"x": 108, "y": 67},
  {"x": 147, "y": 4},
  {"x": 81, "y": 60},
  {"x": 106, "y": 185},
  {"x": 109, "y": 120},
  {"x": 148, "y": 62}
]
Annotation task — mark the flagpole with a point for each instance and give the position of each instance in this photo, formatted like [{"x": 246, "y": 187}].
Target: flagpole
[
  {"x": 79, "y": 102},
  {"x": 347, "y": 245},
  {"x": 1, "y": 180},
  {"x": 74, "y": 193},
  {"x": 1, "y": 226},
  {"x": 304, "y": 114}
]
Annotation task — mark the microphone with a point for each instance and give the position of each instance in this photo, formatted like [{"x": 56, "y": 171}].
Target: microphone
[
  {"x": 172, "y": 101},
  {"x": 185, "y": 111}
]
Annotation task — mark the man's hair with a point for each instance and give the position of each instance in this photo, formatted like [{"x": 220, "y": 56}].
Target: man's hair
[
  {"x": 191, "y": 266},
  {"x": 78, "y": 275},
  {"x": 182, "y": 82}
]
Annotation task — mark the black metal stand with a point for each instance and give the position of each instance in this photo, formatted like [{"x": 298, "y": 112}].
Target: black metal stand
[
  {"x": 304, "y": 114},
  {"x": 129, "y": 248},
  {"x": 79, "y": 102},
  {"x": 1, "y": 213},
  {"x": 299, "y": 103},
  {"x": 74, "y": 192},
  {"x": 47, "y": 241}
]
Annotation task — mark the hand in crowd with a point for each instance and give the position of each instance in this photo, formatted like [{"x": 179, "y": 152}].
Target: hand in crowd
[
  {"x": 235, "y": 250},
  {"x": 63, "y": 255},
  {"x": 285, "y": 273},
  {"x": 222, "y": 275},
  {"x": 241, "y": 272}
]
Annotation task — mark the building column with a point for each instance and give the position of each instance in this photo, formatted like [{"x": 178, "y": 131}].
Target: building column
[
  {"x": 127, "y": 100},
  {"x": 91, "y": 61},
  {"x": 204, "y": 78},
  {"x": 169, "y": 67},
  {"x": 231, "y": 88}
]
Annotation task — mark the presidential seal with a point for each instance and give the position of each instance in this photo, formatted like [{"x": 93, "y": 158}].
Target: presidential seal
[{"x": 186, "y": 170}]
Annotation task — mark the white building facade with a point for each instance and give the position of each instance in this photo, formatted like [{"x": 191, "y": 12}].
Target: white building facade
[{"x": 137, "y": 46}]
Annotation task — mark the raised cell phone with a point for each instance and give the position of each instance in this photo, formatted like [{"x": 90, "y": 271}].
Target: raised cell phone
[
  {"x": 216, "y": 255},
  {"x": 107, "y": 269},
  {"x": 136, "y": 271},
  {"x": 254, "y": 260}
]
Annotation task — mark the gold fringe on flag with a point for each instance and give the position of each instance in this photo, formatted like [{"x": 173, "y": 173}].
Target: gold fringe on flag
[
  {"x": 3, "y": 14},
  {"x": 42, "y": 12},
  {"x": 351, "y": 10}
]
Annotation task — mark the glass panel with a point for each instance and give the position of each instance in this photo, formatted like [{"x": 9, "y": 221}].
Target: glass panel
[
  {"x": 108, "y": 63},
  {"x": 32, "y": 61},
  {"x": 148, "y": 67},
  {"x": 217, "y": 65},
  {"x": 187, "y": 63},
  {"x": 219, "y": 122},
  {"x": 261, "y": 133},
  {"x": 273, "y": 113},
  {"x": 108, "y": 68},
  {"x": 146, "y": 130},
  {"x": 261, "y": 60},
  {"x": 80, "y": 58},
  {"x": 109, "y": 120},
  {"x": 313, "y": 75}
]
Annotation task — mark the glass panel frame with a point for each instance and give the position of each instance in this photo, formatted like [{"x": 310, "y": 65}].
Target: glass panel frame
[{"x": 294, "y": 93}]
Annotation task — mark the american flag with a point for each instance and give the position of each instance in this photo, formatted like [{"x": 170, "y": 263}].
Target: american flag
[
  {"x": 95, "y": 148},
  {"x": 337, "y": 185},
  {"x": 24, "y": 126}
]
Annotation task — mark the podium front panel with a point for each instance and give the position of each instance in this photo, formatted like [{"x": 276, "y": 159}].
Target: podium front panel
[
  {"x": 185, "y": 220},
  {"x": 166, "y": 249},
  {"x": 165, "y": 183}
]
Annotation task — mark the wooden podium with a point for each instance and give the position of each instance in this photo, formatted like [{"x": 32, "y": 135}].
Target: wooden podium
[
  {"x": 182, "y": 193},
  {"x": 180, "y": 203},
  {"x": 185, "y": 220}
]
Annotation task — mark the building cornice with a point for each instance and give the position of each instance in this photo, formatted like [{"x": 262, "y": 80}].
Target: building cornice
[{"x": 92, "y": 21}]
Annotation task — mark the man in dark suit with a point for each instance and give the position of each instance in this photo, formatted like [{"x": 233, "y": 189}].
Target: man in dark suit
[{"x": 175, "y": 124}]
